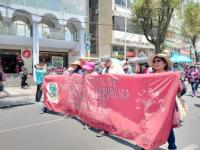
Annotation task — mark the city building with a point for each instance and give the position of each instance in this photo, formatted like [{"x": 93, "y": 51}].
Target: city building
[
  {"x": 41, "y": 31},
  {"x": 113, "y": 33}
]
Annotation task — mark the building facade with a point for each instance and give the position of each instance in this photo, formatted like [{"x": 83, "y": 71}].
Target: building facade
[
  {"x": 41, "y": 31},
  {"x": 111, "y": 34}
]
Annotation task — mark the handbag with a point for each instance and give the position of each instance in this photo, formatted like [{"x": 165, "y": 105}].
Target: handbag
[
  {"x": 176, "y": 118},
  {"x": 183, "y": 88},
  {"x": 182, "y": 107}
]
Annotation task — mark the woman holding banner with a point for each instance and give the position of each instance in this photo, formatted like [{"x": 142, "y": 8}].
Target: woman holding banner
[{"x": 160, "y": 64}]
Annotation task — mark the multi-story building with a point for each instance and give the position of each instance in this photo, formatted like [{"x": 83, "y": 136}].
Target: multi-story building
[
  {"x": 110, "y": 35},
  {"x": 41, "y": 31}
]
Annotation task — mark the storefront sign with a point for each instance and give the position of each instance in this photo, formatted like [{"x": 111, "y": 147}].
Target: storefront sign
[
  {"x": 26, "y": 53},
  {"x": 135, "y": 40}
]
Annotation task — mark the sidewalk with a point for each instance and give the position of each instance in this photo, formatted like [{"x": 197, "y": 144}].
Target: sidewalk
[
  {"x": 16, "y": 96},
  {"x": 18, "y": 91}
]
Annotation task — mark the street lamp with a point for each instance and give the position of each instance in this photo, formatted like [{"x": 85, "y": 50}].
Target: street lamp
[{"x": 125, "y": 29}]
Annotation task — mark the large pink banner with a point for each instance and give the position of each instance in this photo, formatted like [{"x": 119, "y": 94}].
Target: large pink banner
[{"x": 137, "y": 107}]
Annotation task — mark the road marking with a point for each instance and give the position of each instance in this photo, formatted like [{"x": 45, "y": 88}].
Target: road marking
[
  {"x": 190, "y": 147},
  {"x": 30, "y": 125}
]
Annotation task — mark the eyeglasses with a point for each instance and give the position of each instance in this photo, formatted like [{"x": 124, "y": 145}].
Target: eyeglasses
[{"x": 157, "y": 61}]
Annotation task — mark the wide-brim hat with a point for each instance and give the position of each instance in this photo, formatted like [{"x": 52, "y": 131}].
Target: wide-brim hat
[
  {"x": 163, "y": 56},
  {"x": 76, "y": 63}
]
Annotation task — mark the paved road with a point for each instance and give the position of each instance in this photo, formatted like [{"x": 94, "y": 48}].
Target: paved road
[{"x": 23, "y": 128}]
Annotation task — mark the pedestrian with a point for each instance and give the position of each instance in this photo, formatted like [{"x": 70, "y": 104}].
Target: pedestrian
[
  {"x": 143, "y": 68},
  {"x": 40, "y": 71},
  {"x": 76, "y": 65},
  {"x": 88, "y": 68},
  {"x": 98, "y": 67},
  {"x": 109, "y": 68},
  {"x": 127, "y": 68},
  {"x": 24, "y": 76},
  {"x": 160, "y": 64},
  {"x": 52, "y": 71},
  {"x": 20, "y": 62},
  {"x": 193, "y": 77},
  {"x": 1, "y": 79}
]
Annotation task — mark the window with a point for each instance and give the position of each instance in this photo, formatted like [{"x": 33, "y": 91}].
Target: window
[
  {"x": 55, "y": 5},
  {"x": 22, "y": 29},
  {"x": 119, "y": 25},
  {"x": 68, "y": 36},
  {"x": 123, "y": 3},
  {"x": 19, "y": 2},
  {"x": 73, "y": 32},
  {"x": 31, "y": 3},
  {"x": 44, "y": 31},
  {"x": 44, "y": 4}
]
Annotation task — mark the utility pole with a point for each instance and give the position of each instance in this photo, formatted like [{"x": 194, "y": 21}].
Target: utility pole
[{"x": 125, "y": 50}]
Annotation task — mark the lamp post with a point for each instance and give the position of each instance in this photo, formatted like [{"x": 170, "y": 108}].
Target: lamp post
[{"x": 125, "y": 29}]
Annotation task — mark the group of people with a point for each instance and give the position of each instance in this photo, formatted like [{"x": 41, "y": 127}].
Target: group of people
[
  {"x": 157, "y": 64},
  {"x": 192, "y": 74}
]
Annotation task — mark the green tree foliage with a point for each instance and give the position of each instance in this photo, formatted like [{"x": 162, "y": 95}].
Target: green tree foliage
[
  {"x": 154, "y": 17},
  {"x": 191, "y": 24}
]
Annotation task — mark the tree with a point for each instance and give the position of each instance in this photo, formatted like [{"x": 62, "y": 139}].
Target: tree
[
  {"x": 191, "y": 24},
  {"x": 154, "y": 17}
]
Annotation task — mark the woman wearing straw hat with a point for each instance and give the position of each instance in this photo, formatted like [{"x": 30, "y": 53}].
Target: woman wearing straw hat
[
  {"x": 76, "y": 65},
  {"x": 160, "y": 64}
]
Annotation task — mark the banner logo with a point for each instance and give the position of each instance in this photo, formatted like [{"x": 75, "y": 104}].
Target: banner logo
[{"x": 52, "y": 92}]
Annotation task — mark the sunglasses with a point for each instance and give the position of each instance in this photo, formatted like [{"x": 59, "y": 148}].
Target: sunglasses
[{"x": 157, "y": 61}]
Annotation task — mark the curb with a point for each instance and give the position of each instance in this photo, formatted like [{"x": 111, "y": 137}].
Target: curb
[
  {"x": 10, "y": 106},
  {"x": 6, "y": 94},
  {"x": 8, "y": 102}
]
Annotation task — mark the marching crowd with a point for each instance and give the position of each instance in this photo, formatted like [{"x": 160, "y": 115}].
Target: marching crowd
[{"x": 157, "y": 64}]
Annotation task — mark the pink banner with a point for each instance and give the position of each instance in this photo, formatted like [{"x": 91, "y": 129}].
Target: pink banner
[{"x": 138, "y": 107}]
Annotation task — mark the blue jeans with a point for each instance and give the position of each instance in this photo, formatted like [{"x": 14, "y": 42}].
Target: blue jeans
[
  {"x": 194, "y": 86},
  {"x": 171, "y": 140}
]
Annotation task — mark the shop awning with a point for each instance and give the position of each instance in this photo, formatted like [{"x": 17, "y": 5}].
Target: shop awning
[{"x": 139, "y": 59}]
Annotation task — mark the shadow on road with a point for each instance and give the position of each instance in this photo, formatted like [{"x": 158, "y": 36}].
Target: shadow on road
[
  {"x": 113, "y": 137},
  {"x": 197, "y": 105},
  {"x": 188, "y": 94}
]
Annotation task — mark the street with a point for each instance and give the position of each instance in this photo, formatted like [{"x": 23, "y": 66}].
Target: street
[{"x": 24, "y": 128}]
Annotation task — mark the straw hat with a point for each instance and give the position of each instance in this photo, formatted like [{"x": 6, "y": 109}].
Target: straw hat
[
  {"x": 76, "y": 63},
  {"x": 163, "y": 56}
]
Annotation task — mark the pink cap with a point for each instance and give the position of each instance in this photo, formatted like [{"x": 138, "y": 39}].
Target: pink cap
[{"x": 89, "y": 66}]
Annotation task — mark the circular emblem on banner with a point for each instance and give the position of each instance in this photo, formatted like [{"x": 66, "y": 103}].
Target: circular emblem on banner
[
  {"x": 52, "y": 92},
  {"x": 26, "y": 53}
]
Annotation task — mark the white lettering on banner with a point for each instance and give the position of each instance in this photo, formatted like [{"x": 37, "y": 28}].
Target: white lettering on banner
[{"x": 108, "y": 93}]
